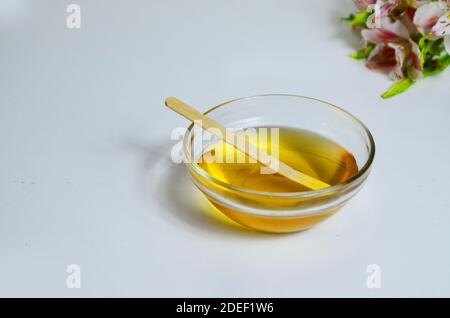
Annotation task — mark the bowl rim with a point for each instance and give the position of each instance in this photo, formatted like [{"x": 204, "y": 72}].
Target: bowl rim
[{"x": 302, "y": 194}]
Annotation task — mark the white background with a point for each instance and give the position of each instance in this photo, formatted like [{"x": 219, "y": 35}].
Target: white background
[{"x": 86, "y": 178}]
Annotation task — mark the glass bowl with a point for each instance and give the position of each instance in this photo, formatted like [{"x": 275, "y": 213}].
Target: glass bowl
[{"x": 290, "y": 211}]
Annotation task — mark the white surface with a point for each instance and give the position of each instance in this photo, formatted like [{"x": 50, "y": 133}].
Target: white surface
[{"x": 85, "y": 175}]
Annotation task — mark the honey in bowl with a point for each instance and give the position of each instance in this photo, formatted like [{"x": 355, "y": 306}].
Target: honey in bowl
[
  {"x": 315, "y": 139},
  {"x": 303, "y": 150}
]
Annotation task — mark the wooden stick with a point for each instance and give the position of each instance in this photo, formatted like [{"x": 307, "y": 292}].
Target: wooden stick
[{"x": 230, "y": 138}]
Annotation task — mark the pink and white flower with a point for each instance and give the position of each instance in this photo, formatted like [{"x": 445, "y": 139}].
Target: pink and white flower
[
  {"x": 379, "y": 9},
  {"x": 404, "y": 38},
  {"x": 442, "y": 28},
  {"x": 395, "y": 53},
  {"x": 385, "y": 6},
  {"x": 434, "y": 19},
  {"x": 363, "y": 4}
]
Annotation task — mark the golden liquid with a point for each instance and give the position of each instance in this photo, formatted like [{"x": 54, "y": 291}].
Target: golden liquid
[{"x": 305, "y": 151}]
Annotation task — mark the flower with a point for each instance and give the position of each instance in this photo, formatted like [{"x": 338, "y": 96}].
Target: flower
[
  {"x": 385, "y": 7},
  {"x": 442, "y": 28},
  {"x": 395, "y": 52},
  {"x": 363, "y": 4},
  {"x": 434, "y": 19},
  {"x": 407, "y": 39}
]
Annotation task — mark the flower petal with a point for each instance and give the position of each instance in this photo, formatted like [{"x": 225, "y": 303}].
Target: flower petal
[
  {"x": 389, "y": 32},
  {"x": 427, "y": 15},
  {"x": 387, "y": 59},
  {"x": 407, "y": 18},
  {"x": 415, "y": 69},
  {"x": 382, "y": 56},
  {"x": 397, "y": 73},
  {"x": 363, "y": 4},
  {"x": 415, "y": 56},
  {"x": 442, "y": 26},
  {"x": 387, "y": 6},
  {"x": 419, "y": 3}
]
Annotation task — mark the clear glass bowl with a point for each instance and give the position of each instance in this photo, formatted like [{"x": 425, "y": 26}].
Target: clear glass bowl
[{"x": 282, "y": 212}]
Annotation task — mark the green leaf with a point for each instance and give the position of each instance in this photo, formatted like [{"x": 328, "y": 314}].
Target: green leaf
[
  {"x": 358, "y": 19},
  {"x": 417, "y": 37},
  {"x": 439, "y": 66},
  {"x": 437, "y": 48},
  {"x": 430, "y": 49},
  {"x": 399, "y": 88},
  {"x": 364, "y": 53},
  {"x": 424, "y": 51},
  {"x": 423, "y": 40}
]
